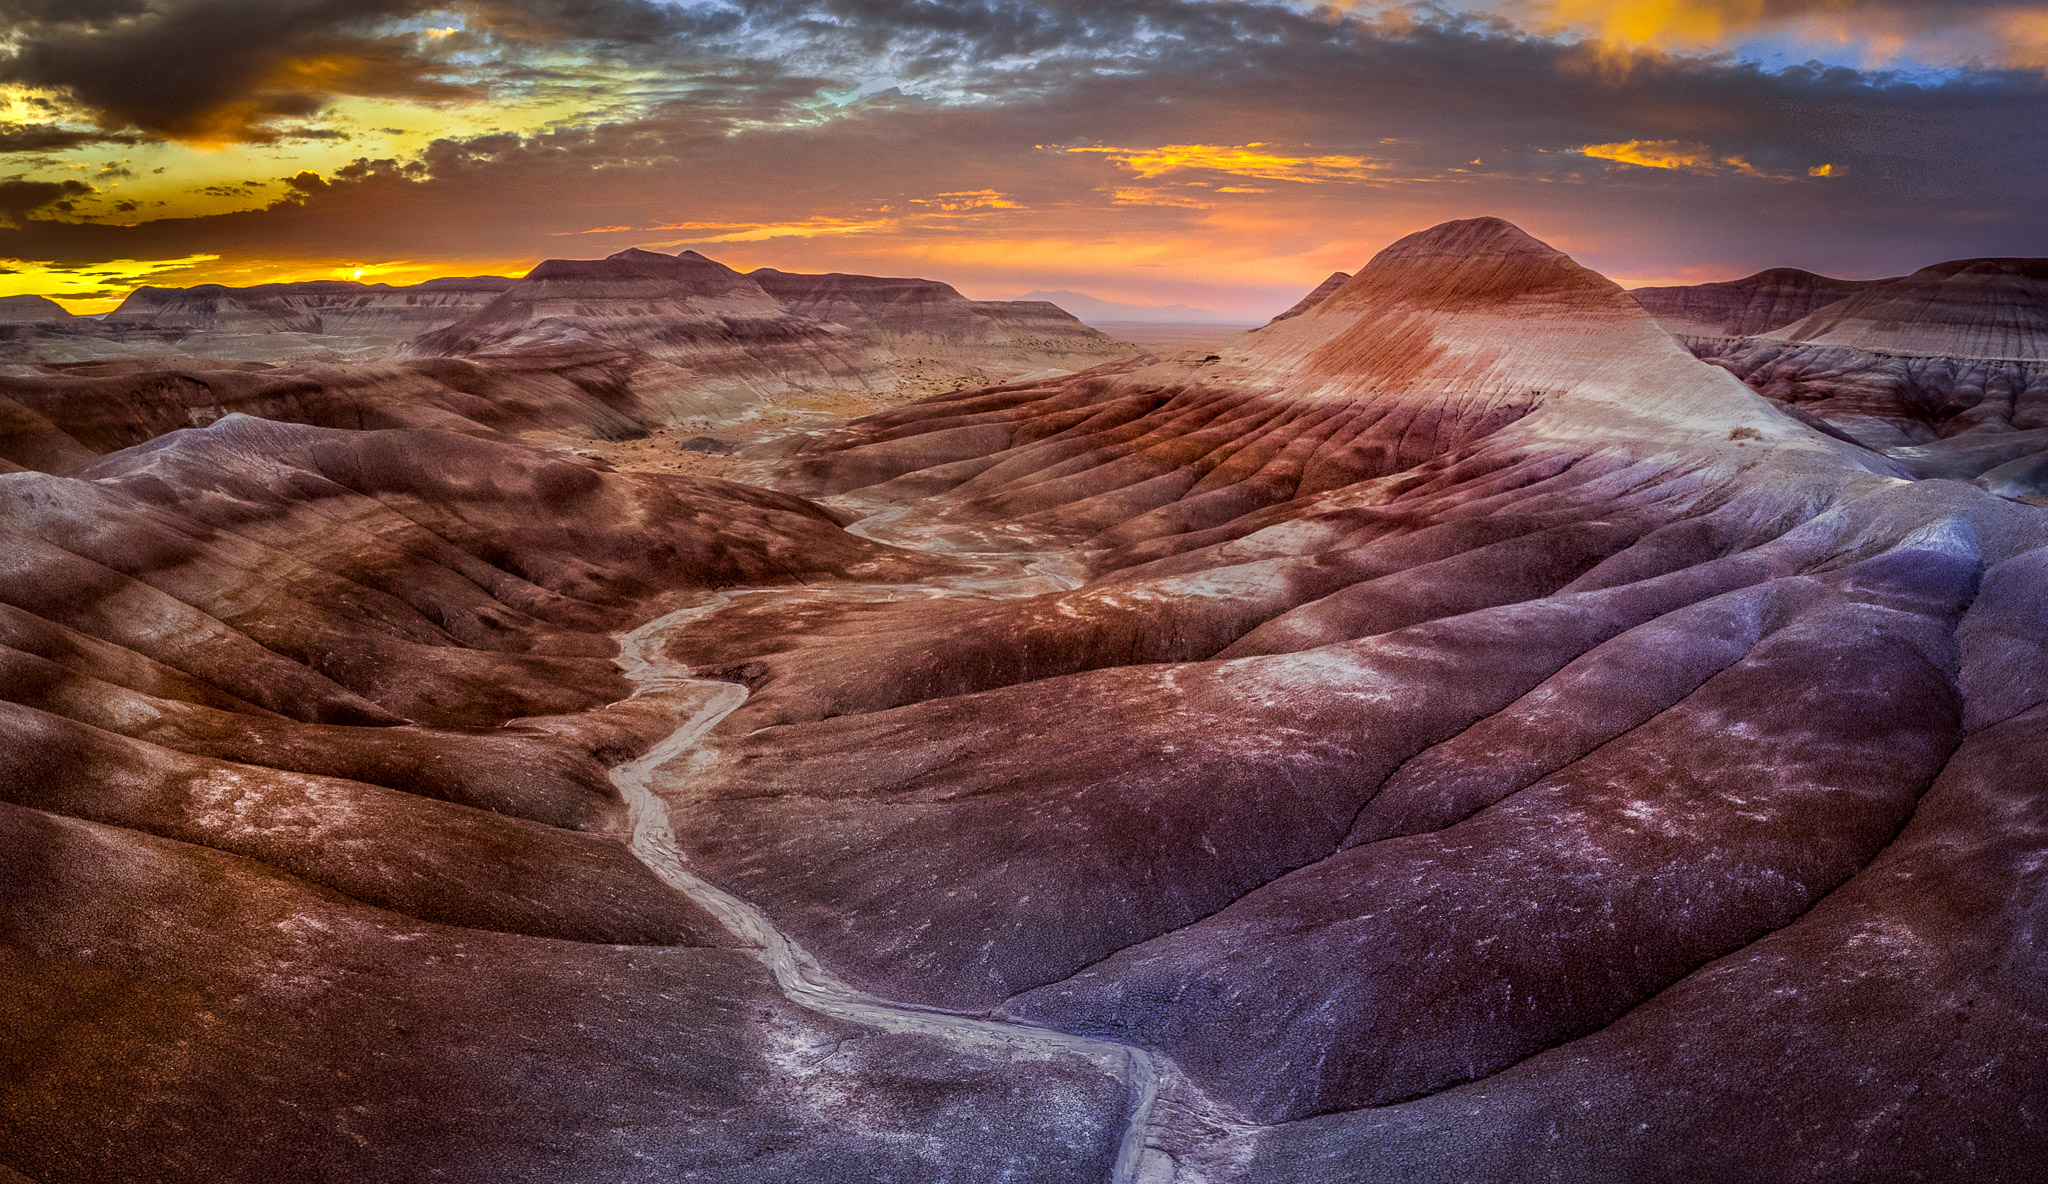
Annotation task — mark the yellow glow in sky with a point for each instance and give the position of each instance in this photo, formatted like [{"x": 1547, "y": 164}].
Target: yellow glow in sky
[
  {"x": 77, "y": 289},
  {"x": 1689, "y": 156},
  {"x": 1669, "y": 154},
  {"x": 1661, "y": 22},
  {"x": 216, "y": 171},
  {"x": 1258, "y": 161}
]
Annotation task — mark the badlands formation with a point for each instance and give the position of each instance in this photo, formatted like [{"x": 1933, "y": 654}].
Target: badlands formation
[
  {"x": 1450, "y": 733},
  {"x": 1944, "y": 371}
]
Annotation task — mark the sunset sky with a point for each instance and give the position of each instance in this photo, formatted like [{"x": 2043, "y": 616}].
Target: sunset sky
[{"x": 1221, "y": 155}]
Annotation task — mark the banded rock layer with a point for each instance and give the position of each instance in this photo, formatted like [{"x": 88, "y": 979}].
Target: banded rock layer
[
  {"x": 374, "y": 313},
  {"x": 331, "y": 320}
]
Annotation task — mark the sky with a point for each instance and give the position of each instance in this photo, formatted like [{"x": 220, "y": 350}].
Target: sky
[{"x": 1224, "y": 154}]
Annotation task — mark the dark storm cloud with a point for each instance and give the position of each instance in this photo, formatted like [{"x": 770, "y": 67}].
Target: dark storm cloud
[
  {"x": 19, "y": 198},
  {"x": 43, "y": 137},
  {"x": 230, "y": 69}
]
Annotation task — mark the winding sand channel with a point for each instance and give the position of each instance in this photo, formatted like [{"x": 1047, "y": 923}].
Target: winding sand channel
[{"x": 801, "y": 978}]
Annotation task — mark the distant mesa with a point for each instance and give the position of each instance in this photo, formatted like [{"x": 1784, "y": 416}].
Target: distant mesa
[
  {"x": 677, "y": 337},
  {"x": 329, "y": 320},
  {"x": 326, "y": 307},
  {"x": 19, "y": 310},
  {"x": 1746, "y": 307},
  {"x": 711, "y": 340}
]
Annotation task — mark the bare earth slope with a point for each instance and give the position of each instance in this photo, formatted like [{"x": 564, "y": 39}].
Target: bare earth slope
[{"x": 1452, "y": 733}]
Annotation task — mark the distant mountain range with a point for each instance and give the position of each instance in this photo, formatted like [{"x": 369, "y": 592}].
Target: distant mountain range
[{"x": 1089, "y": 308}]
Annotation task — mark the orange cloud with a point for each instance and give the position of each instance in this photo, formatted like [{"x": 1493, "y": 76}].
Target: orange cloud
[
  {"x": 1690, "y": 157},
  {"x": 2025, "y": 37},
  {"x": 732, "y": 232},
  {"x": 1678, "y": 155},
  {"x": 973, "y": 199},
  {"x": 1666, "y": 22}
]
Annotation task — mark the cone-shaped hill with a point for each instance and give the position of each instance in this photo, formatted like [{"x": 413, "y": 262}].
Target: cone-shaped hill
[{"x": 1480, "y": 309}]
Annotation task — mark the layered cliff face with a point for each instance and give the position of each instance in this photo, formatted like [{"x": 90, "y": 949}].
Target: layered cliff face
[
  {"x": 334, "y": 308},
  {"x": 1995, "y": 309},
  {"x": 915, "y": 318},
  {"x": 1945, "y": 370},
  {"x": 1452, "y": 733}
]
